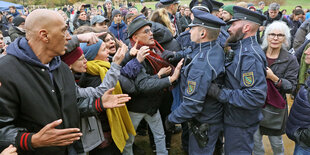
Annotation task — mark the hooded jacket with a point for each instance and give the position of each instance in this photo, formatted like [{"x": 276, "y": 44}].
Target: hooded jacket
[
  {"x": 119, "y": 30},
  {"x": 33, "y": 95}
]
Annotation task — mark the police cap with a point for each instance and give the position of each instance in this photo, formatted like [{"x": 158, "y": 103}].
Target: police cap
[
  {"x": 216, "y": 5},
  {"x": 206, "y": 20},
  {"x": 241, "y": 13},
  {"x": 201, "y": 4},
  {"x": 168, "y": 2}
]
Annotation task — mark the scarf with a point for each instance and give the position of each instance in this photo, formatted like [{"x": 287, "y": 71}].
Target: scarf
[
  {"x": 274, "y": 97},
  {"x": 119, "y": 119},
  {"x": 155, "y": 59}
]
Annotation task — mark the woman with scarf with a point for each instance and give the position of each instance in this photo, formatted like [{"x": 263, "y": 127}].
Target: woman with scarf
[
  {"x": 281, "y": 77},
  {"x": 116, "y": 123}
]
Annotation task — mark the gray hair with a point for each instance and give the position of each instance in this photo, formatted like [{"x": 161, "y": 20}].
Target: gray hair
[
  {"x": 261, "y": 3},
  {"x": 278, "y": 25},
  {"x": 274, "y": 6}
]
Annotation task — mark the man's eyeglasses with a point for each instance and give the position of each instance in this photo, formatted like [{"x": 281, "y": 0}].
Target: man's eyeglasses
[
  {"x": 147, "y": 31},
  {"x": 279, "y": 36}
]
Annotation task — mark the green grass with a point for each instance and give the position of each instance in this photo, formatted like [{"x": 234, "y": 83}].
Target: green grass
[{"x": 289, "y": 5}]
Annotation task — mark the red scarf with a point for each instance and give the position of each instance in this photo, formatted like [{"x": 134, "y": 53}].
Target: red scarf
[{"x": 155, "y": 59}]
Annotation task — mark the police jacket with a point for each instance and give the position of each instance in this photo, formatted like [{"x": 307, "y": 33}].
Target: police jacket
[
  {"x": 33, "y": 95},
  {"x": 196, "y": 78},
  {"x": 245, "y": 84}
]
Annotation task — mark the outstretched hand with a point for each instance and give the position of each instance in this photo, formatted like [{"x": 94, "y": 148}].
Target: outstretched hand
[
  {"x": 113, "y": 101},
  {"x": 50, "y": 136},
  {"x": 176, "y": 72},
  {"x": 133, "y": 51},
  {"x": 90, "y": 38},
  {"x": 120, "y": 54}
]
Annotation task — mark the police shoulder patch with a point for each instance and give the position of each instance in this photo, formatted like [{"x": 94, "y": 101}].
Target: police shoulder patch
[
  {"x": 248, "y": 79},
  {"x": 191, "y": 87}
]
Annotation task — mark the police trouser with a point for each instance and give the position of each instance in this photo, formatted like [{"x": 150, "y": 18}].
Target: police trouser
[
  {"x": 239, "y": 141},
  {"x": 213, "y": 133}
]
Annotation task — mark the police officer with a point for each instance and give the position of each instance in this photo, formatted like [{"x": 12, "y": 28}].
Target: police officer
[
  {"x": 245, "y": 88},
  {"x": 205, "y": 114}
]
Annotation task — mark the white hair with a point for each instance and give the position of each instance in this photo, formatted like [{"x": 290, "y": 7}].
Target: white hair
[{"x": 278, "y": 25}]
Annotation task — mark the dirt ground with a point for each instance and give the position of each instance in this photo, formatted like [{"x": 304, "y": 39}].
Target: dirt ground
[{"x": 143, "y": 142}]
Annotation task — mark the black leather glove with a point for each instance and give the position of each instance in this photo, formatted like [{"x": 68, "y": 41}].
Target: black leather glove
[
  {"x": 229, "y": 56},
  {"x": 169, "y": 125},
  {"x": 175, "y": 58},
  {"x": 167, "y": 54},
  {"x": 305, "y": 136},
  {"x": 214, "y": 90}
]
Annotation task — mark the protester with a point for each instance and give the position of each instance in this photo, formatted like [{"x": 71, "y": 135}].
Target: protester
[
  {"x": 298, "y": 123},
  {"x": 281, "y": 77},
  {"x": 18, "y": 28},
  {"x": 13, "y": 11},
  {"x": 108, "y": 8},
  {"x": 118, "y": 26},
  {"x": 100, "y": 23}
]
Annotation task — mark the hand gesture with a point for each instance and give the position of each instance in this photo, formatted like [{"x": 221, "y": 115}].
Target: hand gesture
[
  {"x": 177, "y": 72},
  {"x": 270, "y": 75},
  {"x": 142, "y": 53},
  {"x": 133, "y": 51},
  {"x": 120, "y": 54},
  {"x": 113, "y": 101},
  {"x": 90, "y": 38},
  {"x": 164, "y": 71},
  {"x": 11, "y": 150},
  {"x": 50, "y": 136}
]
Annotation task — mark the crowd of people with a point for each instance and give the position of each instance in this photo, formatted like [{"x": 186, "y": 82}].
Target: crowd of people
[{"x": 87, "y": 80}]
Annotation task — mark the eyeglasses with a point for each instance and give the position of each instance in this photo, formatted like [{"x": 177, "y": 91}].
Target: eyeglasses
[
  {"x": 147, "y": 31},
  {"x": 279, "y": 36}
]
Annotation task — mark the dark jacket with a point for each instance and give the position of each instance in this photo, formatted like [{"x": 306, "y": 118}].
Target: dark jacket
[
  {"x": 33, "y": 95},
  {"x": 299, "y": 118},
  {"x": 301, "y": 34},
  {"x": 164, "y": 37},
  {"x": 174, "y": 20},
  {"x": 119, "y": 30},
  {"x": 14, "y": 33},
  {"x": 286, "y": 68},
  {"x": 78, "y": 22}
]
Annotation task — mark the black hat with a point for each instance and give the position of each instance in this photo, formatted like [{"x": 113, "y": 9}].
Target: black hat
[
  {"x": 241, "y": 13},
  {"x": 205, "y": 19},
  {"x": 137, "y": 24},
  {"x": 205, "y": 5},
  {"x": 168, "y": 2},
  {"x": 18, "y": 20},
  {"x": 216, "y": 5}
]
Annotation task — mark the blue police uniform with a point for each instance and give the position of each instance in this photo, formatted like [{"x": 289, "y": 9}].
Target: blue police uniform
[
  {"x": 245, "y": 90},
  {"x": 206, "y": 66}
]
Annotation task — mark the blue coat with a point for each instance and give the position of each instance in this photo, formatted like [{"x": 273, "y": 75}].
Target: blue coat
[
  {"x": 119, "y": 30},
  {"x": 245, "y": 84},
  {"x": 196, "y": 77},
  {"x": 299, "y": 117}
]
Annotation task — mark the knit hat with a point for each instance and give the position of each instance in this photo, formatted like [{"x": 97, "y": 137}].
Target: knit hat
[
  {"x": 115, "y": 12},
  {"x": 91, "y": 51},
  {"x": 229, "y": 8},
  {"x": 18, "y": 20},
  {"x": 71, "y": 57}
]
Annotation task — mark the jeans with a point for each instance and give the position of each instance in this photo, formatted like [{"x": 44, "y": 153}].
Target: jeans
[
  {"x": 301, "y": 151},
  {"x": 276, "y": 143},
  {"x": 157, "y": 128}
]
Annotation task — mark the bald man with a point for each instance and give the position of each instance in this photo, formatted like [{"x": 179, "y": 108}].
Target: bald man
[{"x": 38, "y": 110}]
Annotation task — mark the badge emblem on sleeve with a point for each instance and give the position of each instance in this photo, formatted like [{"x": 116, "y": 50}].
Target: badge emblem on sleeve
[
  {"x": 248, "y": 79},
  {"x": 191, "y": 87}
]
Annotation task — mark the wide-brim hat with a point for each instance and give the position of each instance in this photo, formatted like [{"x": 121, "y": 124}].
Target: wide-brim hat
[{"x": 137, "y": 24}]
